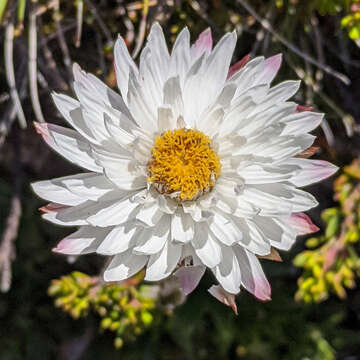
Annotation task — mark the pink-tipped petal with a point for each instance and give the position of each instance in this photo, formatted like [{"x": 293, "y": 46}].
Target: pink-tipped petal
[
  {"x": 237, "y": 66},
  {"x": 189, "y": 277},
  {"x": 252, "y": 275},
  {"x": 84, "y": 241},
  {"x": 302, "y": 224},
  {"x": 301, "y": 108},
  {"x": 272, "y": 66},
  {"x": 52, "y": 207},
  {"x": 43, "y": 130},
  {"x": 223, "y": 296},
  {"x": 203, "y": 43},
  {"x": 311, "y": 171}
]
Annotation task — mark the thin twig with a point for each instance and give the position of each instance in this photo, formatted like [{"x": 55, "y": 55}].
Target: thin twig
[
  {"x": 142, "y": 29},
  {"x": 318, "y": 45},
  {"x": 10, "y": 74},
  {"x": 32, "y": 67},
  {"x": 7, "y": 251},
  {"x": 10, "y": 113},
  {"x": 7, "y": 245},
  {"x": 101, "y": 23},
  {"x": 50, "y": 63},
  {"x": 267, "y": 26},
  {"x": 61, "y": 39},
  {"x": 4, "y": 97},
  {"x": 130, "y": 33},
  {"x": 100, "y": 49},
  {"x": 53, "y": 35},
  {"x": 79, "y": 21}
]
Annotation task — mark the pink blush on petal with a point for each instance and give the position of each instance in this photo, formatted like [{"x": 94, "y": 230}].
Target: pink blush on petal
[
  {"x": 189, "y": 277},
  {"x": 223, "y": 296},
  {"x": 203, "y": 43},
  {"x": 302, "y": 224}
]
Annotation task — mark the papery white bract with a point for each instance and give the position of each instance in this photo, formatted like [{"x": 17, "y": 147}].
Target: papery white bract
[{"x": 193, "y": 166}]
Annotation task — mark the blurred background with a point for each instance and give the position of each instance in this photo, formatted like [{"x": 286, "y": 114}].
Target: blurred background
[{"x": 54, "y": 307}]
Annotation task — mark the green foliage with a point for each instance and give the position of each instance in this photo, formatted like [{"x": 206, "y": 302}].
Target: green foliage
[
  {"x": 334, "y": 262},
  {"x": 124, "y": 309},
  {"x": 350, "y": 9}
]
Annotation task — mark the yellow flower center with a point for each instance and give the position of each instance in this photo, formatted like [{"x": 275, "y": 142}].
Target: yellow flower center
[{"x": 183, "y": 163}]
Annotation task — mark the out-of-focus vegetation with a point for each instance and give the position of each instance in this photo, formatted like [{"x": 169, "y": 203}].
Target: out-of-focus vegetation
[
  {"x": 334, "y": 264},
  {"x": 40, "y": 41},
  {"x": 125, "y": 309}
]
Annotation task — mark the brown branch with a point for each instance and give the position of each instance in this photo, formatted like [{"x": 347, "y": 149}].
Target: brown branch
[
  {"x": 7, "y": 247},
  {"x": 7, "y": 244}
]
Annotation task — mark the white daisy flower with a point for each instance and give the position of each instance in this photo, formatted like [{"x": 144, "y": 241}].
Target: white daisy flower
[{"x": 193, "y": 166}]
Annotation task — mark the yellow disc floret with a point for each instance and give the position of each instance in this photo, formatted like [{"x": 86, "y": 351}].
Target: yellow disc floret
[{"x": 183, "y": 163}]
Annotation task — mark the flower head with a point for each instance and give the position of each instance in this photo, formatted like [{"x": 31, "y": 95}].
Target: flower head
[{"x": 195, "y": 165}]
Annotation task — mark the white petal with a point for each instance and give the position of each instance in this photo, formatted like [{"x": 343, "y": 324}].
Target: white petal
[
  {"x": 110, "y": 213},
  {"x": 228, "y": 272},
  {"x": 58, "y": 219},
  {"x": 71, "y": 110},
  {"x": 173, "y": 96},
  {"x": 166, "y": 120},
  {"x": 206, "y": 246},
  {"x": 252, "y": 238},
  {"x": 55, "y": 190},
  {"x": 216, "y": 69},
  {"x": 224, "y": 230},
  {"x": 119, "y": 169},
  {"x": 283, "y": 91},
  {"x": 180, "y": 55},
  {"x": 262, "y": 174},
  {"x": 142, "y": 108},
  {"x": 156, "y": 239},
  {"x": 236, "y": 206},
  {"x": 89, "y": 186},
  {"x": 278, "y": 199},
  {"x": 182, "y": 227},
  {"x": 149, "y": 213},
  {"x": 209, "y": 123},
  {"x": 124, "y": 265},
  {"x": 118, "y": 133},
  {"x": 69, "y": 144},
  {"x": 120, "y": 239},
  {"x": 301, "y": 122},
  {"x": 162, "y": 264},
  {"x": 159, "y": 52},
  {"x": 276, "y": 231},
  {"x": 123, "y": 64}
]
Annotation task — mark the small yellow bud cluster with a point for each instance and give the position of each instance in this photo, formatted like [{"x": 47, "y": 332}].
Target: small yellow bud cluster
[
  {"x": 332, "y": 263},
  {"x": 72, "y": 293},
  {"x": 126, "y": 309}
]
